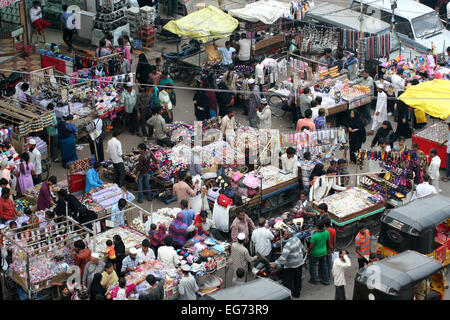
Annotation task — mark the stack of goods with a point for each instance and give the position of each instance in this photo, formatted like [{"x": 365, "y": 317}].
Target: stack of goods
[
  {"x": 356, "y": 96},
  {"x": 107, "y": 96},
  {"x": 81, "y": 166},
  {"x": 110, "y": 16},
  {"x": 159, "y": 271},
  {"x": 108, "y": 195},
  {"x": 134, "y": 21},
  {"x": 344, "y": 204},
  {"x": 204, "y": 254},
  {"x": 242, "y": 68},
  {"x": 179, "y": 130},
  {"x": 168, "y": 169},
  {"x": 436, "y": 133},
  {"x": 138, "y": 225},
  {"x": 412, "y": 69},
  {"x": 163, "y": 215},
  {"x": 147, "y": 15},
  {"x": 21, "y": 204},
  {"x": 45, "y": 266},
  {"x": 272, "y": 176},
  {"x": 81, "y": 74},
  {"x": 8, "y": 152},
  {"x": 130, "y": 161},
  {"x": 332, "y": 72},
  {"x": 92, "y": 205},
  {"x": 38, "y": 123},
  {"x": 379, "y": 185},
  {"x": 212, "y": 123},
  {"x": 131, "y": 238},
  {"x": 54, "y": 51}
]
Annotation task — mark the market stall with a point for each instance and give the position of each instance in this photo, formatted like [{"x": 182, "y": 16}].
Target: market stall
[
  {"x": 76, "y": 173},
  {"x": 41, "y": 253},
  {"x": 433, "y": 137}
]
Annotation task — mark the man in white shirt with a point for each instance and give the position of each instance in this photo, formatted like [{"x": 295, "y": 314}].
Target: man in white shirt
[
  {"x": 339, "y": 266},
  {"x": 398, "y": 82},
  {"x": 187, "y": 287},
  {"x": 35, "y": 159},
  {"x": 289, "y": 162},
  {"x": 228, "y": 125},
  {"x": 244, "y": 48},
  {"x": 259, "y": 74},
  {"x": 433, "y": 169},
  {"x": 425, "y": 189},
  {"x": 167, "y": 254},
  {"x": 23, "y": 92},
  {"x": 36, "y": 18},
  {"x": 145, "y": 254},
  {"x": 262, "y": 237},
  {"x": 447, "y": 141},
  {"x": 228, "y": 53},
  {"x": 380, "y": 109},
  {"x": 114, "y": 148}
]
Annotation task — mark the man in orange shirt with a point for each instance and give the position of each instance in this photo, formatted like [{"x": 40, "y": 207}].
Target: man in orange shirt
[
  {"x": 362, "y": 245},
  {"x": 182, "y": 190},
  {"x": 7, "y": 209},
  {"x": 81, "y": 255},
  {"x": 306, "y": 121}
]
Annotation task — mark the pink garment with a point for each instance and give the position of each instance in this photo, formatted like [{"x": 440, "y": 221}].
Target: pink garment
[
  {"x": 5, "y": 173},
  {"x": 183, "y": 191},
  {"x": 26, "y": 179}
]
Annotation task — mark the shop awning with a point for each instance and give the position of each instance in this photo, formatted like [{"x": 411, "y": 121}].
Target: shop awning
[
  {"x": 266, "y": 11},
  {"x": 203, "y": 25},
  {"x": 431, "y": 97}
]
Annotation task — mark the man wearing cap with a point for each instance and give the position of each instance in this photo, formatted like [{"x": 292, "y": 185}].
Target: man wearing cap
[
  {"x": 130, "y": 262},
  {"x": 187, "y": 288},
  {"x": 129, "y": 100},
  {"x": 291, "y": 260},
  {"x": 95, "y": 265},
  {"x": 265, "y": 115},
  {"x": 254, "y": 103},
  {"x": 380, "y": 109},
  {"x": 228, "y": 126},
  {"x": 240, "y": 255},
  {"x": 35, "y": 159}
]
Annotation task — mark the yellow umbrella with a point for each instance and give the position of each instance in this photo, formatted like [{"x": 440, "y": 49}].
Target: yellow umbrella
[
  {"x": 431, "y": 97},
  {"x": 203, "y": 25}
]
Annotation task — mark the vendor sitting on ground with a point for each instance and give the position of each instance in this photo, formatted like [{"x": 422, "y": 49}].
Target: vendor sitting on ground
[
  {"x": 289, "y": 162},
  {"x": 45, "y": 200},
  {"x": 92, "y": 179}
]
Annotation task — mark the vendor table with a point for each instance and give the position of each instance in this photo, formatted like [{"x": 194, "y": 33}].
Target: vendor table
[
  {"x": 436, "y": 131},
  {"x": 63, "y": 66}
]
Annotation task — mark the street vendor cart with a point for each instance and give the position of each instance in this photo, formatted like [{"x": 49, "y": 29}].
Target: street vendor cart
[{"x": 41, "y": 254}]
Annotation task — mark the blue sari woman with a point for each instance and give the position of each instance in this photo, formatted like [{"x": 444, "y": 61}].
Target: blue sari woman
[{"x": 66, "y": 131}]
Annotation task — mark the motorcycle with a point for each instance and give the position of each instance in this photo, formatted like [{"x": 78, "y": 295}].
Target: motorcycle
[{"x": 8, "y": 84}]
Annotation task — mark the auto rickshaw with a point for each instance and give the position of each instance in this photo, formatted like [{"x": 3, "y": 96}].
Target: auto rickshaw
[
  {"x": 406, "y": 276},
  {"x": 422, "y": 225}
]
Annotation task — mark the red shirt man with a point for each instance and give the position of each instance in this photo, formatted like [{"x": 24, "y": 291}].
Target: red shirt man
[
  {"x": 81, "y": 255},
  {"x": 7, "y": 209}
]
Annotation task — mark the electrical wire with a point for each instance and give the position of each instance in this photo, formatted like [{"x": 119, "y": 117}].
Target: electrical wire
[{"x": 268, "y": 94}]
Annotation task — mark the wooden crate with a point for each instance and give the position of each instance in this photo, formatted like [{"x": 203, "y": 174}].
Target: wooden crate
[{"x": 36, "y": 287}]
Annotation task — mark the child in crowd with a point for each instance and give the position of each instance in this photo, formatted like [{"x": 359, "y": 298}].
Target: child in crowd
[
  {"x": 240, "y": 278},
  {"x": 159, "y": 66},
  {"x": 151, "y": 234},
  {"x": 32, "y": 218},
  {"x": 110, "y": 251}
]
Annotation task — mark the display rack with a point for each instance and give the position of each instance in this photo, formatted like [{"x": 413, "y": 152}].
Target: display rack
[
  {"x": 111, "y": 16},
  {"x": 41, "y": 253}
]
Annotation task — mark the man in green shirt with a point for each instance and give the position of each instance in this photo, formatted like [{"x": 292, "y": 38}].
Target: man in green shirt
[
  {"x": 129, "y": 99},
  {"x": 318, "y": 250}
]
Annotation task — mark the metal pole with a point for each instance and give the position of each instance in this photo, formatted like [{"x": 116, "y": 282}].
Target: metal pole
[
  {"x": 28, "y": 275},
  {"x": 361, "y": 35}
]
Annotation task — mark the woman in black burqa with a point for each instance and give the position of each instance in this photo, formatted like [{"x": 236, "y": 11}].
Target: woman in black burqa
[{"x": 357, "y": 134}]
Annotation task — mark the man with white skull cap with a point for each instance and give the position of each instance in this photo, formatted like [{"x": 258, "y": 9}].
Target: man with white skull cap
[
  {"x": 240, "y": 255},
  {"x": 187, "y": 288}
]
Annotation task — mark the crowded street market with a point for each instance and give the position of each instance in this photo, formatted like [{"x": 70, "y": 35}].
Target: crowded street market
[{"x": 185, "y": 150}]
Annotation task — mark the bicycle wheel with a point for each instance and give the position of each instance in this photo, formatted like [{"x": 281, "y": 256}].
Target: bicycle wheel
[{"x": 275, "y": 100}]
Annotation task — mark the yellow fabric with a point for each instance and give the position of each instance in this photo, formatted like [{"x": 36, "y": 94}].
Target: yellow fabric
[
  {"x": 420, "y": 116},
  {"x": 203, "y": 25},
  {"x": 431, "y": 97}
]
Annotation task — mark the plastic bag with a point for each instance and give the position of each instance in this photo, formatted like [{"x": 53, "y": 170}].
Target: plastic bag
[
  {"x": 196, "y": 203},
  {"x": 221, "y": 217}
]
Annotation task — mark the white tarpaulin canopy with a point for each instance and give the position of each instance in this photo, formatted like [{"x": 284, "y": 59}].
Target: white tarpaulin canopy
[{"x": 266, "y": 11}]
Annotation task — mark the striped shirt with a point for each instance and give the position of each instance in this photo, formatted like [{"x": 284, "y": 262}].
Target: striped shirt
[
  {"x": 292, "y": 255},
  {"x": 362, "y": 244}
]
